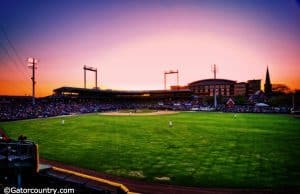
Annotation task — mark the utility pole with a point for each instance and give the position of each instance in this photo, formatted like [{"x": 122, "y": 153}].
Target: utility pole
[
  {"x": 32, "y": 64},
  {"x": 214, "y": 69}
]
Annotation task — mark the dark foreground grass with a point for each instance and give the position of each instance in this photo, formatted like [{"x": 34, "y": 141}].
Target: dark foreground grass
[{"x": 201, "y": 149}]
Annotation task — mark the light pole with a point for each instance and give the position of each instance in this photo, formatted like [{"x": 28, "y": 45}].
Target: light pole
[
  {"x": 86, "y": 68},
  {"x": 170, "y": 72}
]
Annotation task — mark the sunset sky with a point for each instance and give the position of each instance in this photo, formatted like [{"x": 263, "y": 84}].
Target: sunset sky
[{"x": 133, "y": 42}]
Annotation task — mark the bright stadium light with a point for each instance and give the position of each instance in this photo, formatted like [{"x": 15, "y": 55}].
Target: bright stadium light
[{"x": 31, "y": 61}]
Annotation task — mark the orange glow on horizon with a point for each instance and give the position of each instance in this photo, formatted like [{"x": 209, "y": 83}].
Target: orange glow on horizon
[{"x": 139, "y": 65}]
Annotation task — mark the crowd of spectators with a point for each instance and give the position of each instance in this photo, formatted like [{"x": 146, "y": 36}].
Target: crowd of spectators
[
  {"x": 253, "y": 109},
  {"x": 50, "y": 108},
  {"x": 43, "y": 109}
]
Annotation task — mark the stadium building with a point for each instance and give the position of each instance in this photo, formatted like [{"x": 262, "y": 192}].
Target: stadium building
[
  {"x": 144, "y": 95},
  {"x": 206, "y": 87},
  {"x": 240, "y": 89},
  {"x": 224, "y": 87},
  {"x": 200, "y": 88},
  {"x": 253, "y": 86}
]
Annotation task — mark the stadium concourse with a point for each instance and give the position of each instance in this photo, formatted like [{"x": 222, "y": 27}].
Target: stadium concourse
[{"x": 68, "y": 101}]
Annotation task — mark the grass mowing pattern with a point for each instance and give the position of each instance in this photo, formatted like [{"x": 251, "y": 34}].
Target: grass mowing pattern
[{"x": 201, "y": 149}]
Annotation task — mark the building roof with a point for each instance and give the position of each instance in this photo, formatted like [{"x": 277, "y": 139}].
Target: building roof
[
  {"x": 212, "y": 82},
  {"x": 116, "y": 92},
  {"x": 230, "y": 101},
  {"x": 241, "y": 83}
]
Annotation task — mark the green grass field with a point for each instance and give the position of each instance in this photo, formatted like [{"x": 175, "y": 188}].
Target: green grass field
[{"x": 201, "y": 149}]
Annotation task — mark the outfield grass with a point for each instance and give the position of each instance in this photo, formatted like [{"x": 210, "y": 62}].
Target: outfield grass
[{"x": 201, "y": 149}]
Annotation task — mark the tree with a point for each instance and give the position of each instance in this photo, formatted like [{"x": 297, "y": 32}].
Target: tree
[
  {"x": 280, "y": 89},
  {"x": 281, "y": 100}
]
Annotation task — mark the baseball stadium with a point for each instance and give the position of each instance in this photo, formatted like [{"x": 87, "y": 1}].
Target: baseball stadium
[{"x": 202, "y": 132}]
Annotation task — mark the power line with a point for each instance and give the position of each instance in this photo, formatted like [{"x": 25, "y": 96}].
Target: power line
[
  {"x": 18, "y": 58},
  {"x": 12, "y": 46},
  {"x": 10, "y": 57},
  {"x": 15, "y": 66},
  {"x": 14, "y": 63}
]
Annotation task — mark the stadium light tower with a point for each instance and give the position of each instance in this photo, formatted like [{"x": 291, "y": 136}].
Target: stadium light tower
[
  {"x": 170, "y": 72},
  {"x": 32, "y": 64},
  {"x": 214, "y": 70},
  {"x": 86, "y": 68}
]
